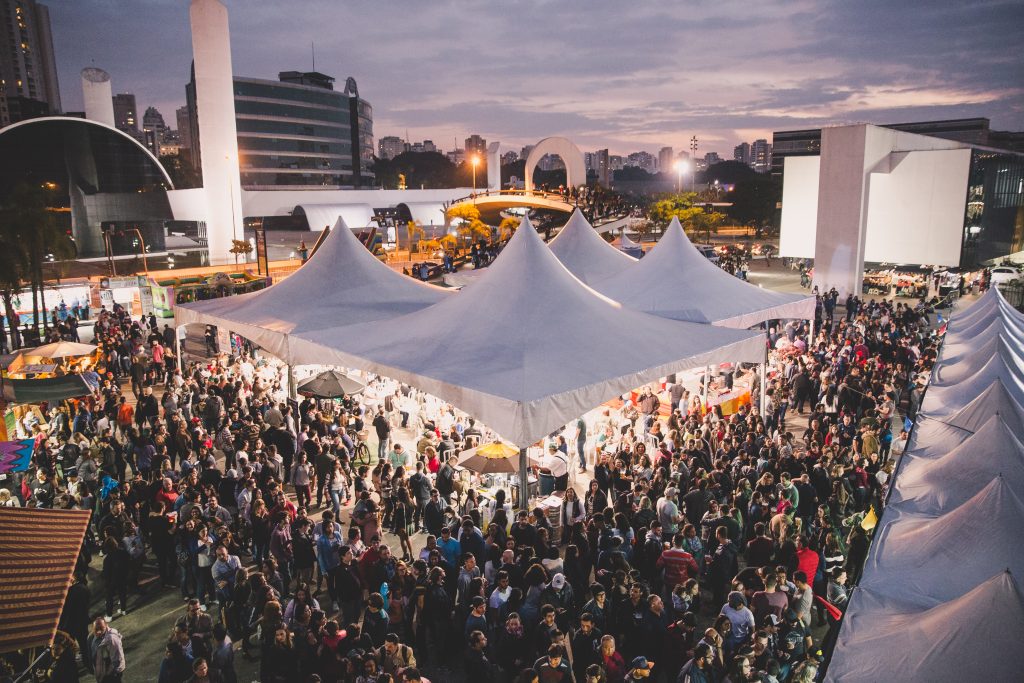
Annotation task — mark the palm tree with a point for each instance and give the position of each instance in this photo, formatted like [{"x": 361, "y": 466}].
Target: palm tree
[{"x": 30, "y": 235}]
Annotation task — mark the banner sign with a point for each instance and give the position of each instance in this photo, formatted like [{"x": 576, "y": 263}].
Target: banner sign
[{"x": 16, "y": 456}]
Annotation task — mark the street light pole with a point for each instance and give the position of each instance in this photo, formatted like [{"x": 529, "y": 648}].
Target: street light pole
[{"x": 473, "y": 162}]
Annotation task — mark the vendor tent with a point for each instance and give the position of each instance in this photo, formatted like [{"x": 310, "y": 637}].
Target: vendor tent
[
  {"x": 960, "y": 365},
  {"x": 330, "y": 384},
  {"x": 934, "y": 485},
  {"x": 48, "y": 389},
  {"x": 527, "y": 347},
  {"x": 674, "y": 280},
  {"x": 994, "y": 399},
  {"x": 585, "y": 253},
  {"x": 627, "y": 246},
  {"x": 982, "y": 330},
  {"x": 972, "y": 635},
  {"x": 39, "y": 548},
  {"x": 341, "y": 284},
  {"x": 921, "y": 557}
]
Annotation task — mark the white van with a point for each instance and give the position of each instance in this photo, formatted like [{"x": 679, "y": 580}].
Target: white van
[{"x": 709, "y": 252}]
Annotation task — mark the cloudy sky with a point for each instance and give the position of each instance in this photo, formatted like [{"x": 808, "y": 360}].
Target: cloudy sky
[{"x": 605, "y": 73}]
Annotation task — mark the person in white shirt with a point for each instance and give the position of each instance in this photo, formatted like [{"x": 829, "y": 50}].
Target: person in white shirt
[{"x": 556, "y": 463}]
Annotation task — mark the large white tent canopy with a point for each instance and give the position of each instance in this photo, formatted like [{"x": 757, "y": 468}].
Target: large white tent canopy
[
  {"x": 973, "y": 635},
  {"x": 938, "y": 595},
  {"x": 527, "y": 347},
  {"x": 674, "y": 280},
  {"x": 341, "y": 284},
  {"x": 992, "y": 451},
  {"x": 585, "y": 253}
]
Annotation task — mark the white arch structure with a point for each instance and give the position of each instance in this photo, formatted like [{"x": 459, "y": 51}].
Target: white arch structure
[
  {"x": 575, "y": 168},
  {"x": 71, "y": 120}
]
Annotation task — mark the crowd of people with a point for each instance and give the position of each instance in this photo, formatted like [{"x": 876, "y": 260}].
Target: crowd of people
[{"x": 692, "y": 547}]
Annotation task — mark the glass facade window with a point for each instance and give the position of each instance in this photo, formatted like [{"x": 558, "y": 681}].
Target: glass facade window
[
  {"x": 994, "y": 215},
  {"x": 300, "y": 135}
]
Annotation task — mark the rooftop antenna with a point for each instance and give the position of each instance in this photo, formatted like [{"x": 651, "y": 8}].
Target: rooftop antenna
[{"x": 312, "y": 48}]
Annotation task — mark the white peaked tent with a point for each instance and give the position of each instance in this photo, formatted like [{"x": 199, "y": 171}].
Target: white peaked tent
[
  {"x": 527, "y": 347},
  {"x": 959, "y": 366},
  {"x": 994, "y": 399},
  {"x": 983, "y": 329},
  {"x": 976, "y": 635},
  {"x": 945, "y": 397},
  {"x": 920, "y": 557},
  {"x": 930, "y": 486},
  {"x": 341, "y": 284},
  {"x": 989, "y": 305},
  {"x": 674, "y": 280},
  {"x": 585, "y": 253}
]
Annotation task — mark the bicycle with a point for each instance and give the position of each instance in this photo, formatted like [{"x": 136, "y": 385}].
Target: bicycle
[{"x": 360, "y": 449}]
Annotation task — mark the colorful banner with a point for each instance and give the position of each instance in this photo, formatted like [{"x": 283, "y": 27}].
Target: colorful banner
[{"x": 16, "y": 456}]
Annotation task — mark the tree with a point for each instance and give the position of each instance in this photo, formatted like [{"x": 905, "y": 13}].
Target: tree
[
  {"x": 691, "y": 215},
  {"x": 240, "y": 247},
  {"x": 507, "y": 228},
  {"x": 30, "y": 235},
  {"x": 470, "y": 227},
  {"x": 681, "y": 206},
  {"x": 753, "y": 200},
  {"x": 415, "y": 233}
]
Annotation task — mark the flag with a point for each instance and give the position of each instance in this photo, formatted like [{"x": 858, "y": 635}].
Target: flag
[
  {"x": 870, "y": 520},
  {"x": 16, "y": 456},
  {"x": 832, "y": 610}
]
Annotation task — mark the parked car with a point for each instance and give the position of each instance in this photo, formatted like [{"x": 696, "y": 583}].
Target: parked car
[
  {"x": 709, "y": 252},
  {"x": 1004, "y": 274}
]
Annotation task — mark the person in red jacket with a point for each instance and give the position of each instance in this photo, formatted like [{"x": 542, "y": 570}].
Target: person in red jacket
[
  {"x": 806, "y": 559},
  {"x": 679, "y": 565}
]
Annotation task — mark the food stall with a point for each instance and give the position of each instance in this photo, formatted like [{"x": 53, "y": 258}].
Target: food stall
[{"x": 182, "y": 290}]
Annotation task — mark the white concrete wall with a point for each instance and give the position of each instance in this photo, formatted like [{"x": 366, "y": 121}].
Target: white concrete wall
[
  {"x": 283, "y": 202},
  {"x": 215, "y": 101},
  {"x": 839, "y": 247}
]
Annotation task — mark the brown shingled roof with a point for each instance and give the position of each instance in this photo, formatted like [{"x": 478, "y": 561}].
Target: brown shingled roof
[{"x": 38, "y": 552}]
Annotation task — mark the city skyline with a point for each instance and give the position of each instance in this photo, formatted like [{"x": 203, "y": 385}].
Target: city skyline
[{"x": 660, "y": 75}]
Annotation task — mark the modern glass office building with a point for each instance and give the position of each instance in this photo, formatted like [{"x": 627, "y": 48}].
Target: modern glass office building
[
  {"x": 300, "y": 133},
  {"x": 994, "y": 216}
]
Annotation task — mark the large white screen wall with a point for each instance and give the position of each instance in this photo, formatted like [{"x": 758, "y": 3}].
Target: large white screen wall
[
  {"x": 916, "y": 210},
  {"x": 799, "y": 207}
]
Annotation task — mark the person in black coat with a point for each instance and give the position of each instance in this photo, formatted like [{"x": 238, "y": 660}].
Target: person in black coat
[
  {"x": 116, "y": 564},
  {"x": 478, "y": 666}
]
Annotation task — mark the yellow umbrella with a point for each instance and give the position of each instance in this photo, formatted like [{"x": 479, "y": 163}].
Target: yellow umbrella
[
  {"x": 491, "y": 458},
  {"x": 62, "y": 349}
]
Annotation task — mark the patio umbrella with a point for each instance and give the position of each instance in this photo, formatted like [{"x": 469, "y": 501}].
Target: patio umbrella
[
  {"x": 330, "y": 384},
  {"x": 491, "y": 458},
  {"x": 62, "y": 349}
]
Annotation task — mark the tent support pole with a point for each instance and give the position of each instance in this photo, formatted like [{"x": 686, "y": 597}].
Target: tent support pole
[
  {"x": 763, "y": 388},
  {"x": 177, "y": 348},
  {"x": 293, "y": 392},
  {"x": 707, "y": 381},
  {"x": 810, "y": 336},
  {"x": 524, "y": 481}
]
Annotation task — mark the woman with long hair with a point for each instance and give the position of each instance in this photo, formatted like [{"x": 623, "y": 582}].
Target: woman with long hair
[{"x": 572, "y": 512}]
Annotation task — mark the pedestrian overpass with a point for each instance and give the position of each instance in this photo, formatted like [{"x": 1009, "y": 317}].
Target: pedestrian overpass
[{"x": 491, "y": 203}]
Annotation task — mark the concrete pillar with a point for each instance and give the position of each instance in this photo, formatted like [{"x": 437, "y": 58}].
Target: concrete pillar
[
  {"x": 215, "y": 102},
  {"x": 494, "y": 166},
  {"x": 99, "y": 103}
]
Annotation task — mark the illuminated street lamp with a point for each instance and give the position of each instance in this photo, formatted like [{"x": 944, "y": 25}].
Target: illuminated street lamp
[
  {"x": 475, "y": 161},
  {"x": 681, "y": 166}
]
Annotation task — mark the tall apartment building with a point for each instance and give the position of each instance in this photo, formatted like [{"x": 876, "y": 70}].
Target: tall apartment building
[
  {"x": 126, "y": 114},
  {"x": 390, "y": 146},
  {"x": 644, "y": 160},
  {"x": 476, "y": 145},
  {"x": 603, "y": 166},
  {"x": 741, "y": 153},
  {"x": 666, "y": 160},
  {"x": 711, "y": 158},
  {"x": 28, "y": 69},
  {"x": 761, "y": 156},
  {"x": 185, "y": 134}
]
